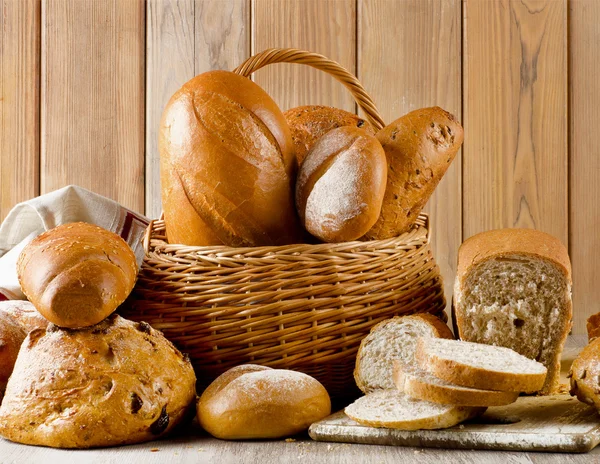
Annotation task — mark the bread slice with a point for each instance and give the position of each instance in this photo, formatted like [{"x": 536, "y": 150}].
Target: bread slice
[
  {"x": 420, "y": 384},
  {"x": 395, "y": 410},
  {"x": 480, "y": 366},
  {"x": 513, "y": 289},
  {"x": 392, "y": 339}
]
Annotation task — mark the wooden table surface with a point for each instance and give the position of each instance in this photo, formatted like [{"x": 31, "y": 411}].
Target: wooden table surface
[{"x": 195, "y": 446}]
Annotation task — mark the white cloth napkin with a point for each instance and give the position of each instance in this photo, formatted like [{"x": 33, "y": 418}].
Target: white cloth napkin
[{"x": 70, "y": 204}]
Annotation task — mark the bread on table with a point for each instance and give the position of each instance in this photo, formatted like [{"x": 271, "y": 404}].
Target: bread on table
[
  {"x": 252, "y": 401},
  {"x": 419, "y": 148},
  {"x": 392, "y": 339},
  {"x": 341, "y": 184},
  {"x": 309, "y": 123},
  {"x": 17, "y": 319},
  {"x": 481, "y": 366},
  {"x": 395, "y": 410},
  {"x": 114, "y": 383},
  {"x": 585, "y": 375},
  {"x": 420, "y": 384},
  {"x": 77, "y": 274},
  {"x": 227, "y": 165},
  {"x": 593, "y": 326},
  {"x": 513, "y": 289}
]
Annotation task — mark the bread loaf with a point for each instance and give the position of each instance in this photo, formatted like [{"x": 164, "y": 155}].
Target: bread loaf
[
  {"x": 115, "y": 383},
  {"x": 585, "y": 375},
  {"x": 513, "y": 289},
  {"x": 77, "y": 274},
  {"x": 309, "y": 123},
  {"x": 227, "y": 165},
  {"x": 341, "y": 184},
  {"x": 24, "y": 314},
  {"x": 593, "y": 326},
  {"x": 419, "y": 148},
  {"x": 258, "y": 402},
  {"x": 392, "y": 339}
]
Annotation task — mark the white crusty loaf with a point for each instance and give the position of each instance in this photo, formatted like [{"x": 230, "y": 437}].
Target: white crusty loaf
[
  {"x": 420, "y": 384},
  {"x": 392, "y": 339},
  {"x": 395, "y": 410},
  {"x": 480, "y": 366},
  {"x": 251, "y": 401},
  {"x": 513, "y": 289}
]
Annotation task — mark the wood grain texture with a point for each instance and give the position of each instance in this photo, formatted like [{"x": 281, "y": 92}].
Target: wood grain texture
[
  {"x": 169, "y": 64},
  {"x": 92, "y": 127},
  {"x": 584, "y": 218},
  {"x": 19, "y": 102},
  {"x": 409, "y": 55},
  {"x": 515, "y": 155},
  {"x": 322, "y": 26}
]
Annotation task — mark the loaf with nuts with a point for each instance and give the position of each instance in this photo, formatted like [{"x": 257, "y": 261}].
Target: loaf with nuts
[{"x": 585, "y": 375}]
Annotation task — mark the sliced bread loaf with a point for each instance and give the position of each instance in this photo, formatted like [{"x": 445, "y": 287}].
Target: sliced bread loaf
[
  {"x": 395, "y": 410},
  {"x": 392, "y": 339},
  {"x": 420, "y": 384},
  {"x": 477, "y": 365},
  {"x": 513, "y": 289}
]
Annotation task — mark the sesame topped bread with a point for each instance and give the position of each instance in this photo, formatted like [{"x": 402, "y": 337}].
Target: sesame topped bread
[
  {"x": 479, "y": 366},
  {"x": 392, "y": 339},
  {"x": 513, "y": 289}
]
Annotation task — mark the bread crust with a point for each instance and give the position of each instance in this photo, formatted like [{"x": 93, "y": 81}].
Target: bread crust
[
  {"x": 227, "y": 165},
  {"x": 77, "y": 274},
  {"x": 439, "y": 328},
  {"x": 341, "y": 207},
  {"x": 309, "y": 123},
  {"x": 252, "y": 401},
  {"x": 419, "y": 147},
  {"x": 415, "y": 387},
  {"x": 115, "y": 383},
  {"x": 24, "y": 314},
  {"x": 593, "y": 326},
  {"x": 584, "y": 375},
  {"x": 474, "y": 377},
  {"x": 499, "y": 243}
]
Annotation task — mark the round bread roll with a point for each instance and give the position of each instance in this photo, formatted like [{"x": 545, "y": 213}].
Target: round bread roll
[
  {"x": 585, "y": 375},
  {"x": 115, "y": 383},
  {"x": 341, "y": 185},
  {"x": 309, "y": 123},
  {"x": 419, "y": 148},
  {"x": 227, "y": 165},
  {"x": 252, "y": 401},
  {"x": 77, "y": 274},
  {"x": 24, "y": 314}
]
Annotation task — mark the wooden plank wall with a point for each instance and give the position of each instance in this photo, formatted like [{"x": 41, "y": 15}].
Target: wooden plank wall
[{"x": 83, "y": 85}]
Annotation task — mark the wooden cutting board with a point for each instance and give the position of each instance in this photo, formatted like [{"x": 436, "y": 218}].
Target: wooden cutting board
[{"x": 548, "y": 423}]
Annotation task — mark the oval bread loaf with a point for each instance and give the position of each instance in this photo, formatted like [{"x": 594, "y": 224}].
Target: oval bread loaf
[
  {"x": 227, "y": 165},
  {"x": 341, "y": 184},
  {"x": 77, "y": 274},
  {"x": 309, "y": 123},
  {"x": 115, "y": 383},
  {"x": 259, "y": 402},
  {"x": 585, "y": 375},
  {"x": 419, "y": 148}
]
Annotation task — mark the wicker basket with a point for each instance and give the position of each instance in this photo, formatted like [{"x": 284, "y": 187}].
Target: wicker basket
[{"x": 303, "y": 307}]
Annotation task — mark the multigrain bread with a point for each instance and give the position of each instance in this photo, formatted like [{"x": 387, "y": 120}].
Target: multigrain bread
[
  {"x": 420, "y": 384},
  {"x": 395, "y": 410},
  {"x": 77, "y": 274},
  {"x": 17, "y": 319},
  {"x": 513, "y": 289},
  {"x": 389, "y": 340},
  {"x": 227, "y": 165},
  {"x": 585, "y": 375},
  {"x": 252, "y": 401},
  {"x": 115, "y": 383},
  {"x": 481, "y": 366},
  {"x": 309, "y": 123},
  {"x": 419, "y": 148},
  {"x": 341, "y": 184}
]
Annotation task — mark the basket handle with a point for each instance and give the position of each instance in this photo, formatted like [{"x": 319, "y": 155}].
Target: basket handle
[{"x": 293, "y": 55}]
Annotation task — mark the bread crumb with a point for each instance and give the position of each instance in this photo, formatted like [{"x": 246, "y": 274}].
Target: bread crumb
[
  {"x": 417, "y": 451},
  {"x": 290, "y": 440},
  {"x": 328, "y": 447},
  {"x": 200, "y": 449},
  {"x": 154, "y": 450},
  {"x": 461, "y": 426}
]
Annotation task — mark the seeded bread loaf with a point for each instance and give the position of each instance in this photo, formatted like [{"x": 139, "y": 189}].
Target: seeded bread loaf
[
  {"x": 114, "y": 383},
  {"x": 513, "y": 289},
  {"x": 392, "y": 339}
]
